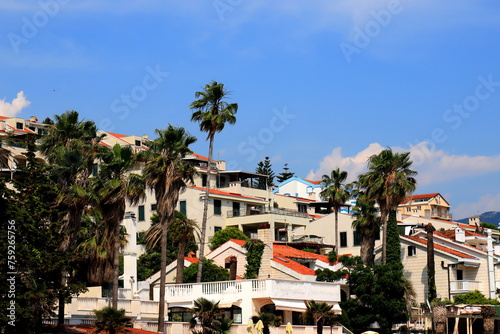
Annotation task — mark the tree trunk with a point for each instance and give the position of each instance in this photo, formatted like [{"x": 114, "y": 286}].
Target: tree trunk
[
  {"x": 60, "y": 311},
  {"x": 488, "y": 314},
  {"x": 337, "y": 230},
  {"x": 205, "y": 212},
  {"x": 179, "y": 277},
  {"x": 161, "y": 308},
  {"x": 367, "y": 249},
  {"x": 116, "y": 268},
  {"x": 431, "y": 268},
  {"x": 440, "y": 314}
]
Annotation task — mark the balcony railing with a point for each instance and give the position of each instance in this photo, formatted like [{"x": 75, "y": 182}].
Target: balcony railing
[
  {"x": 284, "y": 212},
  {"x": 464, "y": 286}
]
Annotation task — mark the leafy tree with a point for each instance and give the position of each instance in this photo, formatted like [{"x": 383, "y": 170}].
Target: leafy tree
[
  {"x": 167, "y": 173},
  {"x": 226, "y": 234},
  {"x": 212, "y": 272},
  {"x": 149, "y": 263},
  {"x": 212, "y": 113},
  {"x": 265, "y": 168},
  {"x": 388, "y": 180},
  {"x": 321, "y": 313},
  {"x": 337, "y": 193},
  {"x": 30, "y": 240},
  {"x": 285, "y": 174},
  {"x": 474, "y": 298},
  {"x": 111, "y": 320}
]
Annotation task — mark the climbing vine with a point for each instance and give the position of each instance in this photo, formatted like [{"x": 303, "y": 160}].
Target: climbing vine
[{"x": 255, "y": 249}]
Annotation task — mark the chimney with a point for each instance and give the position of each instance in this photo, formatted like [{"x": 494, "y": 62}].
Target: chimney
[
  {"x": 474, "y": 220},
  {"x": 221, "y": 164},
  {"x": 265, "y": 234},
  {"x": 459, "y": 234},
  {"x": 33, "y": 119}
]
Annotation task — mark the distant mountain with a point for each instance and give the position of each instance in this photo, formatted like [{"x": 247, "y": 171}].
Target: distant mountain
[{"x": 492, "y": 217}]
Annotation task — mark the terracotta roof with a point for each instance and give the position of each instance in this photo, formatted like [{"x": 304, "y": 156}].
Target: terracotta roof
[
  {"x": 4, "y": 117},
  {"x": 295, "y": 266},
  {"x": 287, "y": 251},
  {"x": 201, "y": 157},
  {"x": 219, "y": 192},
  {"x": 117, "y": 135},
  {"x": 192, "y": 259},
  {"x": 423, "y": 196},
  {"x": 313, "y": 182},
  {"x": 450, "y": 234},
  {"x": 440, "y": 247},
  {"x": 238, "y": 241}
]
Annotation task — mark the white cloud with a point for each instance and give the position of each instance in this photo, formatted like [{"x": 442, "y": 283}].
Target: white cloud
[
  {"x": 488, "y": 202},
  {"x": 15, "y": 107},
  {"x": 433, "y": 166}
]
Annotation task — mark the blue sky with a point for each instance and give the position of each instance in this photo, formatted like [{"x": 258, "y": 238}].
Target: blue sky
[{"x": 319, "y": 84}]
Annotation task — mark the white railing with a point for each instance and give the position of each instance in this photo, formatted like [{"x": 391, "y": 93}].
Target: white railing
[
  {"x": 87, "y": 303},
  {"x": 464, "y": 285}
]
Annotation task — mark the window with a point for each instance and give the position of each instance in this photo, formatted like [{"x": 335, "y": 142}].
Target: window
[
  {"x": 153, "y": 207},
  {"x": 217, "y": 229},
  {"x": 204, "y": 180},
  {"x": 32, "y": 128},
  {"x": 19, "y": 126},
  {"x": 182, "y": 207},
  {"x": 343, "y": 239},
  {"x": 419, "y": 207},
  {"x": 377, "y": 237},
  {"x": 460, "y": 275},
  {"x": 356, "y": 238},
  {"x": 302, "y": 207},
  {"x": 141, "y": 213},
  {"x": 179, "y": 314},
  {"x": 217, "y": 206},
  {"x": 408, "y": 209},
  {"x": 137, "y": 143},
  {"x": 236, "y": 209},
  {"x": 412, "y": 250},
  {"x": 95, "y": 169}
]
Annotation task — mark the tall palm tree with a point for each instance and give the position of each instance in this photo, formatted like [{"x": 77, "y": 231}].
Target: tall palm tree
[
  {"x": 431, "y": 268},
  {"x": 70, "y": 146},
  {"x": 388, "y": 181},
  {"x": 115, "y": 185},
  {"x": 167, "y": 172},
  {"x": 367, "y": 225},
  {"x": 212, "y": 113},
  {"x": 320, "y": 313},
  {"x": 337, "y": 193}
]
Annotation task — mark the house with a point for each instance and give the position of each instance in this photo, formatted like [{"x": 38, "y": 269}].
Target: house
[
  {"x": 426, "y": 205},
  {"x": 464, "y": 261},
  {"x": 298, "y": 187}
]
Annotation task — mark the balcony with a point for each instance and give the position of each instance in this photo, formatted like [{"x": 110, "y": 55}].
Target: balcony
[
  {"x": 457, "y": 287},
  {"x": 267, "y": 216}
]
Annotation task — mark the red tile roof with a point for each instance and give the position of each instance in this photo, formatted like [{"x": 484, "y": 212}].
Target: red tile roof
[
  {"x": 201, "y": 157},
  {"x": 192, "y": 259},
  {"x": 295, "y": 266},
  {"x": 440, "y": 247},
  {"x": 224, "y": 193},
  {"x": 287, "y": 251},
  {"x": 117, "y": 135},
  {"x": 238, "y": 241},
  {"x": 450, "y": 234},
  {"x": 4, "y": 117},
  {"x": 423, "y": 196},
  {"x": 313, "y": 182}
]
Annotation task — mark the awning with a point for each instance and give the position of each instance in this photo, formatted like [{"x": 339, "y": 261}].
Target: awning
[
  {"x": 289, "y": 305},
  {"x": 229, "y": 303}
]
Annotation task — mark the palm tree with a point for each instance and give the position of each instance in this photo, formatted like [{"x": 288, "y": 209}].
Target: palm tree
[
  {"x": 111, "y": 320},
  {"x": 337, "y": 193},
  {"x": 488, "y": 314},
  {"x": 115, "y": 185},
  {"x": 212, "y": 113},
  {"x": 320, "y": 312},
  {"x": 167, "y": 173},
  {"x": 70, "y": 146},
  {"x": 388, "y": 181},
  {"x": 268, "y": 319},
  {"x": 206, "y": 312},
  {"x": 367, "y": 225},
  {"x": 181, "y": 230},
  {"x": 431, "y": 268}
]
